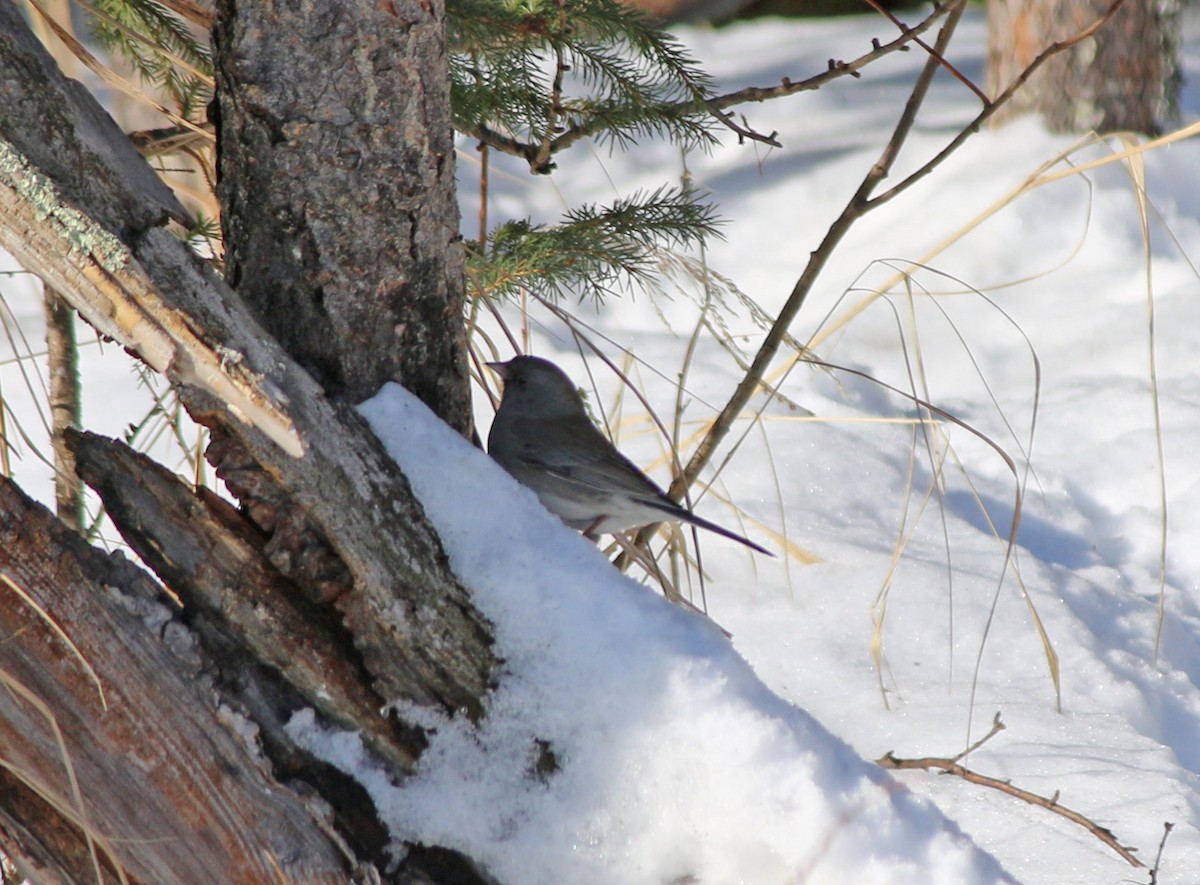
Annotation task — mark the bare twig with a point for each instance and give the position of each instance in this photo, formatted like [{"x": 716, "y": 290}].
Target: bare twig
[
  {"x": 718, "y": 105},
  {"x": 954, "y": 72},
  {"x": 857, "y": 206},
  {"x": 744, "y": 131},
  {"x": 990, "y": 108},
  {"x": 951, "y": 766},
  {"x": 861, "y": 203},
  {"x": 997, "y": 727},
  {"x": 1167, "y": 827}
]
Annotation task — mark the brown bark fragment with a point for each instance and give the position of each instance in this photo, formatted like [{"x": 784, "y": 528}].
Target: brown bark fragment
[
  {"x": 173, "y": 798},
  {"x": 220, "y": 575}
]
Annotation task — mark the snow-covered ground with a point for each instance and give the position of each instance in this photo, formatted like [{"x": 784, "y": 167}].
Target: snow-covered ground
[{"x": 683, "y": 754}]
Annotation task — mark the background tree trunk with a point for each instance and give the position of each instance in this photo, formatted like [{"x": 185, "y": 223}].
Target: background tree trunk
[
  {"x": 1125, "y": 77},
  {"x": 336, "y": 180},
  {"x": 63, "y": 359}
]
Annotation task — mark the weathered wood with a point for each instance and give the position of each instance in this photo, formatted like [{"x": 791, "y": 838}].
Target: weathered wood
[
  {"x": 337, "y": 186},
  {"x": 63, "y": 358},
  {"x": 410, "y": 619},
  {"x": 52, "y": 850},
  {"x": 102, "y": 686},
  {"x": 196, "y": 546}
]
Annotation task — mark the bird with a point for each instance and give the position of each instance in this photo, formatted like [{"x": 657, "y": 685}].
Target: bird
[{"x": 543, "y": 437}]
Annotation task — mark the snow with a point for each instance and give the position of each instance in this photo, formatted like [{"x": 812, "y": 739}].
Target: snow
[
  {"x": 684, "y": 754},
  {"x": 675, "y": 759}
]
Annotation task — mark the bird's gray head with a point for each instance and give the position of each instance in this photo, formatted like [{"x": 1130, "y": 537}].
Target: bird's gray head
[{"x": 536, "y": 387}]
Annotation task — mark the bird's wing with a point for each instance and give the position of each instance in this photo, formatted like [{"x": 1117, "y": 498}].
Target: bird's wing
[
  {"x": 582, "y": 460},
  {"x": 578, "y": 454}
]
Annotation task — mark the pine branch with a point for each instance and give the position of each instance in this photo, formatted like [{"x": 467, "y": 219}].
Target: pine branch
[
  {"x": 676, "y": 100},
  {"x": 159, "y": 46},
  {"x": 594, "y": 251},
  {"x": 532, "y": 83}
]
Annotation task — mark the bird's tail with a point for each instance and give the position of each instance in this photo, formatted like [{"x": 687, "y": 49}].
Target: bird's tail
[{"x": 674, "y": 511}]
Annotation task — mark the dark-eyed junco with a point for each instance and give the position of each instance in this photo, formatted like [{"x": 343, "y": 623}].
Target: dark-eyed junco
[{"x": 543, "y": 437}]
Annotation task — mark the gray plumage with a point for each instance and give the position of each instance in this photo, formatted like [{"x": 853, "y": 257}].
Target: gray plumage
[{"x": 543, "y": 437}]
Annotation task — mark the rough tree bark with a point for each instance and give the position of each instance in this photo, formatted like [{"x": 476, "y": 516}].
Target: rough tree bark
[
  {"x": 1126, "y": 77},
  {"x": 336, "y": 180},
  {"x": 385, "y": 621}
]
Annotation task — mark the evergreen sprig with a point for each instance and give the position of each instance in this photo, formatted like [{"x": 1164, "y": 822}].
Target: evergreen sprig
[
  {"x": 595, "y": 251},
  {"x": 117, "y": 25},
  {"x": 539, "y": 74}
]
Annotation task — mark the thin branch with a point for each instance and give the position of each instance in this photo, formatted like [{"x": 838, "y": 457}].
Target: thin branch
[
  {"x": 955, "y": 72},
  {"x": 852, "y": 212},
  {"x": 836, "y": 69},
  {"x": 860, "y": 204},
  {"x": 949, "y": 766},
  {"x": 744, "y": 132},
  {"x": 990, "y": 108},
  {"x": 1167, "y": 827},
  {"x": 718, "y": 105},
  {"x": 997, "y": 727}
]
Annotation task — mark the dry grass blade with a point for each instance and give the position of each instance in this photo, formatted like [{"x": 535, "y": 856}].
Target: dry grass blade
[
  {"x": 24, "y": 357},
  {"x": 1008, "y": 538},
  {"x": 904, "y": 272},
  {"x": 60, "y": 804},
  {"x": 1046, "y": 173},
  {"x": 53, "y": 625},
  {"x": 1132, "y": 150},
  {"x": 936, "y": 453},
  {"x": 908, "y": 527},
  {"x": 107, "y": 75},
  {"x": 1052, "y": 662},
  {"x": 75, "y": 810},
  {"x": 1136, "y": 167},
  {"x": 937, "y": 448}
]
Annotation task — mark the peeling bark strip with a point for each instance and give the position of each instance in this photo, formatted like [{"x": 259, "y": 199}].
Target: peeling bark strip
[
  {"x": 168, "y": 796},
  {"x": 337, "y": 186},
  {"x": 77, "y": 210},
  {"x": 104, "y": 281},
  {"x": 411, "y": 621},
  {"x": 195, "y": 546}
]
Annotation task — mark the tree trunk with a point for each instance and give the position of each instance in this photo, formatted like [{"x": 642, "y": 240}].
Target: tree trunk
[
  {"x": 345, "y": 605},
  {"x": 1125, "y": 77},
  {"x": 336, "y": 179}
]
